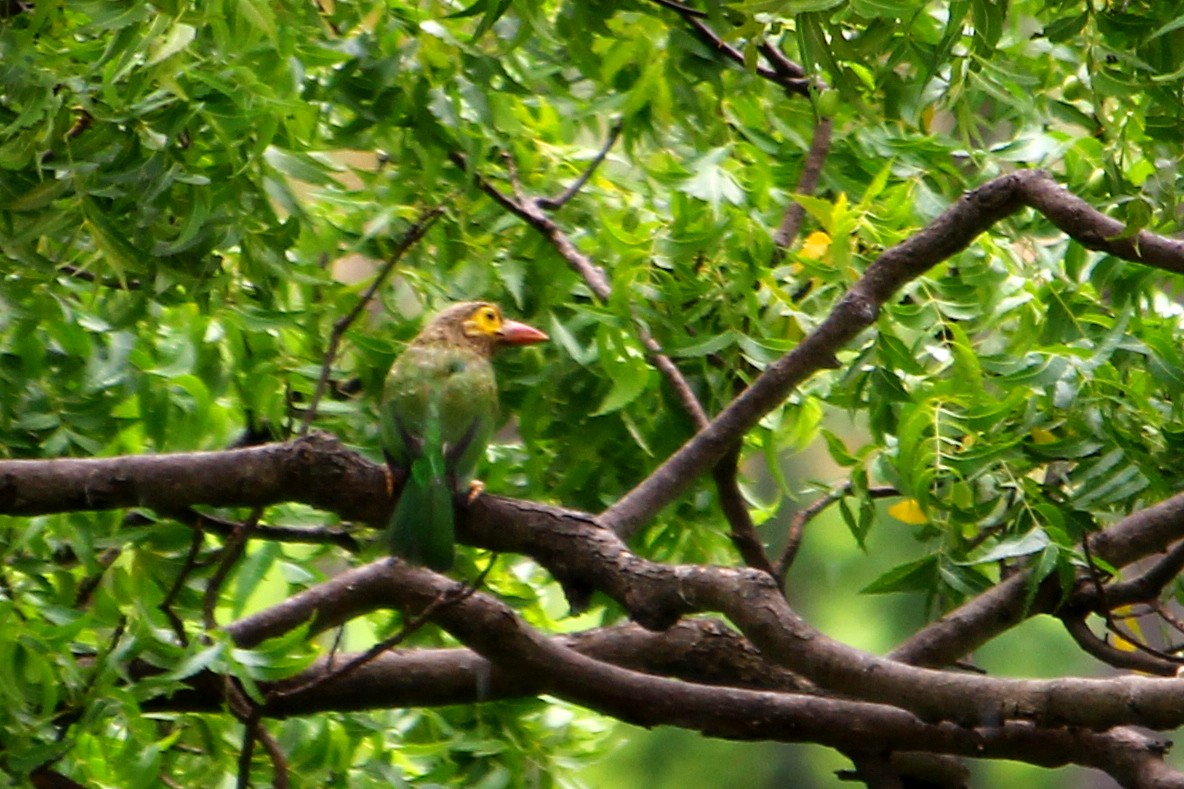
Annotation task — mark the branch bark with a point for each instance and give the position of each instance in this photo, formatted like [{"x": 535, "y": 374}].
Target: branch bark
[{"x": 497, "y": 633}]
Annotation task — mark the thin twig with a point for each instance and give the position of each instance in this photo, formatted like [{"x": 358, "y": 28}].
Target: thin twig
[
  {"x": 780, "y": 63},
  {"x": 797, "y": 525},
  {"x": 529, "y": 212},
  {"x": 685, "y": 10},
  {"x": 715, "y": 40},
  {"x": 328, "y": 23},
  {"x": 166, "y": 605},
  {"x": 231, "y": 551},
  {"x": 594, "y": 277},
  {"x": 682, "y": 388},
  {"x": 554, "y": 203},
  {"x": 1148, "y": 585},
  {"x": 88, "y": 585},
  {"x": 782, "y": 71},
  {"x": 1113, "y": 656},
  {"x": 250, "y": 726},
  {"x": 409, "y": 239},
  {"x": 515, "y": 181},
  {"x": 1105, "y": 607},
  {"x": 791, "y": 222},
  {"x": 288, "y": 534},
  {"x": 1169, "y": 617},
  {"x": 731, "y": 501},
  {"x": 107, "y": 282},
  {"x": 449, "y": 597},
  {"x": 278, "y": 762}
]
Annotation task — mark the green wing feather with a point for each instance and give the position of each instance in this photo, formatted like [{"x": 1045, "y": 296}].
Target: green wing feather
[{"x": 438, "y": 413}]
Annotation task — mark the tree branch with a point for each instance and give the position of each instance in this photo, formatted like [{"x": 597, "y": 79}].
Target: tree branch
[
  {"x": 791, "y": 222},
  {"x": 945, "y": 236},
  {"x": 530, "y": 212},
  {"x": 315, "y": 470},
  {"x": 704, "y": 651},
  {"x": 1111, "y": 655},
  {"x": 797, "y": 525},
  {"x": 781, "y": 72},
  {"x": 557, "y": 202},
  {"x": 752, "y": 601},
  {"x": 498, "y": 634},
  {"x": 735, "y": 509}
]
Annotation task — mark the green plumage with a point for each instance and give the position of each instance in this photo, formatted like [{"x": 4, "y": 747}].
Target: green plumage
[{"x": 439, "y": 409}]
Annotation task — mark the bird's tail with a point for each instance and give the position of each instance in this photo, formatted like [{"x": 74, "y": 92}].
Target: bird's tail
[{"x": 422, "y": 526}]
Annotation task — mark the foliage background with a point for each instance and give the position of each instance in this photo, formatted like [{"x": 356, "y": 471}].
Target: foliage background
[{"x": 180, "y": 182}]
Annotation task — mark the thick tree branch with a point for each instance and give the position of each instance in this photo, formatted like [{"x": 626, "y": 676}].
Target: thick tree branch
[
  {"x": 756, "y": 605},
  {"x": 751, "y": 600},
  {"x": 318, "y": 471},
  {"x": 499, "y": 635},
  {"x": 698, "y": 650},
  {"x": 314, "y": 470}
]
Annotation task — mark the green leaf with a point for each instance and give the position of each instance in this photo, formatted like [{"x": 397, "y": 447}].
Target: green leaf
[
  {"x": 914, "y": 576},
  {"x": 785, "y": 7},
  {"x": 838, "y": 450},
  {"x": 706, "y": 347},
  {"x": 39, "y": 196},
  {"x": 711, "y": 182},
  {"x": 259, "y": 14},
  {"x": 1050, "y": 559},
  {"x": 1023, "y": 545},
  {"x": 626, "y": 368},
  {"x": 179, "y": 37},
  {"x": 197, "y": 662}
]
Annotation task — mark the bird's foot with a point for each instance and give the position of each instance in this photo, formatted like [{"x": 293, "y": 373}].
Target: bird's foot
[
  {"x": 475, "y": 489},
  {"x": 389, "y": 476}
]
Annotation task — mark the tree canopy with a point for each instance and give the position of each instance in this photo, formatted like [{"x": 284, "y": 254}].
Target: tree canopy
[{"x": 873, "y": 266}]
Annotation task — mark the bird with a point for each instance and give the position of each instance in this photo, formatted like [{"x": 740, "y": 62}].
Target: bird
[{"x": 438, "y": 411}]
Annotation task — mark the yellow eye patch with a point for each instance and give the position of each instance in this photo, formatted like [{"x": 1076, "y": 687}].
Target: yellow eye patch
[{"x": 486, "y": 319}]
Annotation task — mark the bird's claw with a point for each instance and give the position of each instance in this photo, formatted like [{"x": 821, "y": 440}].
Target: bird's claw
[{"x": 475, "y": 488}]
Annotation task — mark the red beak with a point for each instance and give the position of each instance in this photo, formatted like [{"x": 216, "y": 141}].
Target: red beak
[{"x": 515, "y": 333}]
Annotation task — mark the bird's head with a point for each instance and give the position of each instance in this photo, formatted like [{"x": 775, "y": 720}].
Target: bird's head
[{"x": 480, "y": 324}]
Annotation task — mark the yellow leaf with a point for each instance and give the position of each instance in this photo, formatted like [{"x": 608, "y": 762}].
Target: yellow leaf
[
  {"x": 908, "y": 511},
  {"x": 815, "y": 245},
  {"x": 1042, "y": 436}
]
